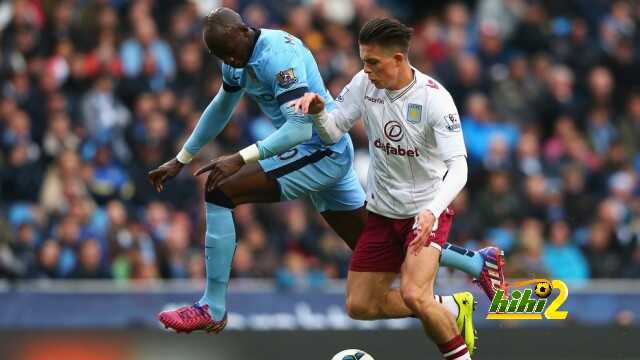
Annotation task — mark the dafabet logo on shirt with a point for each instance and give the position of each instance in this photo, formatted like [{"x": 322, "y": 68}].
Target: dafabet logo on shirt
[{"x": 522, "y": 305}]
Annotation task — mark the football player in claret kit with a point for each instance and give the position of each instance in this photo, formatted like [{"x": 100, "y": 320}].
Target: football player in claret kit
[
  {"x": 418, "y": 166},
  {"x": 274, "y": 69}
]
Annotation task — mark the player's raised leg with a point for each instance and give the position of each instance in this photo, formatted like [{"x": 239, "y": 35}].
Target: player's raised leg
[{"x": 304, "y": 171}]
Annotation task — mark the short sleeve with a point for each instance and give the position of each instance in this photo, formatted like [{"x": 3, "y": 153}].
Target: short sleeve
[
  {"x": 445, "y": 122},
  {"x": 230, "y": 79}
]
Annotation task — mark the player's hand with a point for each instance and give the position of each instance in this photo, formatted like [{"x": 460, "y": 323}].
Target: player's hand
[
  {"x": 424, "y": 224},
  {"x": 220, "y": 169},
  {"x": 309, "y": 103},
  {"x": 163, "y": 173}
]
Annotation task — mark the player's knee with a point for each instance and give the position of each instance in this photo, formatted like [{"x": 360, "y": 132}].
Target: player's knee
[
  {"x": 415, "y": 297},
  {"x": 360, "y": 310},
  {"x": 218, "y": 197}
]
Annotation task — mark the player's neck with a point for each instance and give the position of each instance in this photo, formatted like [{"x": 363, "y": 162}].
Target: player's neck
[
  {"x": 253, "y": 39},
  {"x": 405, "y": 77}
]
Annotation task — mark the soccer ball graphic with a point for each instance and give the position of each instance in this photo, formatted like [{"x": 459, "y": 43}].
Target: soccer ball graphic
[
  {"x": 543, "y": 289},
  {"x": 352, "y": 354}
]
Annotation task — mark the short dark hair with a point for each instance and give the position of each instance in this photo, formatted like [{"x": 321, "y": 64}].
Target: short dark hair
[{"x": 386, "y": 32}]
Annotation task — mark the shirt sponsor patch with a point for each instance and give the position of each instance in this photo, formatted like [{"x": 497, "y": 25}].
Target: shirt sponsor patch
[
  {"x": 452, "y": 122},
  {"x": 414, "y": 113},
  {"x": 393, "y": 131},
  {"x": 286, "y": 78}
]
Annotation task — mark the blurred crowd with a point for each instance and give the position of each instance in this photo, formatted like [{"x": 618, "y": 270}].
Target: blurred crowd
[{"x": 94, "y": 94}]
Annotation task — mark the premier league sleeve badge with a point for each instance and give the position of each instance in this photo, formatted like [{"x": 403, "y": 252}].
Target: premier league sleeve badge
[{"x": 286, "y": 78}]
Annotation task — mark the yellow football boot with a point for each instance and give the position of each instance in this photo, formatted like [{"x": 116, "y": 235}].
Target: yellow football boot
[{"x": 466, "y": 305}]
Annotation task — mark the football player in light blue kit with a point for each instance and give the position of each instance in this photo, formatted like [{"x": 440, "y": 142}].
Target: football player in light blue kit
[{"x": 273, "y": 68}]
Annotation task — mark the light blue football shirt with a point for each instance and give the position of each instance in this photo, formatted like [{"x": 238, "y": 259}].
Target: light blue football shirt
[{"x": 279, "y": 70}]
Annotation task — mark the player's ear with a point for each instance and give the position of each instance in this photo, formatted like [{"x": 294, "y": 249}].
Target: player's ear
[
  {"x": 241, "y": 30},
  {"x": 399, "y": 57}
]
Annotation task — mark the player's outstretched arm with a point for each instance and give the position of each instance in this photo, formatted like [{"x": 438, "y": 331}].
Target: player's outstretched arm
[
  {"x": 214, "y": 118},
  {"x": 212, "y": 121},
  {"x": 294, "y": 131}
]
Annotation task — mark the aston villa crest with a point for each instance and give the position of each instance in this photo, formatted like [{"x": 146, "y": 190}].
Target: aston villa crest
[{"x": 414, "y": 113}]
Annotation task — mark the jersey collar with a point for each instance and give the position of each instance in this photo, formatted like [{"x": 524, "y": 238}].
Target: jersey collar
[
  {"x": 254, "y": 54},
  {"x": 395, "y": 95}
]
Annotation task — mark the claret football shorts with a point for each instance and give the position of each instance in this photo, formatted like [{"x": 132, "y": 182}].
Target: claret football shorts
[{"x": 383, "y": 243}]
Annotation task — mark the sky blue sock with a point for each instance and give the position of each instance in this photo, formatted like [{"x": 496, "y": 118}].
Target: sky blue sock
[
  {"x": 459, "y": 258},
  {"x": 219, "y": 246}
]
